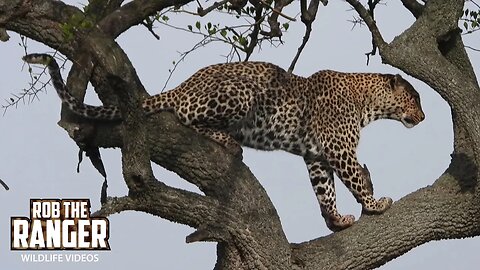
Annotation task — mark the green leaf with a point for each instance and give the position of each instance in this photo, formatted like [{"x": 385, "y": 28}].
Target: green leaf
[
  {"x": 223, "y": 32},
  {"x": 165, "y": 18},
  {"x": 190, "y": 27},
  {"x": 198, "y": 25},
  {"x": 465, "y": 24},
  {"x": 286, "y": 26},
  {"x": 243, "y": 41},
  {"x": 209, "y": 25}
]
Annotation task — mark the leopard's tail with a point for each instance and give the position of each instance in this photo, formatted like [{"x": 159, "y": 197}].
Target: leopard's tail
[{"x": 88, "y": 111}]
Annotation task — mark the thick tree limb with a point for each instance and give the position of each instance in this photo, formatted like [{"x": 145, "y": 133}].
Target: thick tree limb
[
  {"x": 172, "y": 204},
  {"x": 415, "y": 219}
]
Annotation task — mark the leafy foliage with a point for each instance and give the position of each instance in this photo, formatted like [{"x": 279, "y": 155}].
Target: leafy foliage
[
  {"x": 471, "y": 20},
  {"x": 471, "y": 17},
  {"x": 242, "y": 29}
]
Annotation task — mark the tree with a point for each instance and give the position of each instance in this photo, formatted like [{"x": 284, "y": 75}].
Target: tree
[{"x": 235, "y": 210}]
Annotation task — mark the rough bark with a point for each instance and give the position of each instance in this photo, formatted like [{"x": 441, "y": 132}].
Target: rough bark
[{"x": 234, "y": 209}]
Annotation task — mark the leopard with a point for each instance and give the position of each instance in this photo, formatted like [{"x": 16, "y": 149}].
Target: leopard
[{"x": 262, "y": 106}]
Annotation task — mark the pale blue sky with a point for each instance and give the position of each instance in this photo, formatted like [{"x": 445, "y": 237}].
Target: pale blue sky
[{"x": 39, "y": 159}]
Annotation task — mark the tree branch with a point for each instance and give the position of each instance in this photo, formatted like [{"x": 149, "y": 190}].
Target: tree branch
[
  {"x": 273, "y": 19},
  {"x": 415, "y": 219},
  {"x": 169, "y": 203},
  {"x": 414, "y": 7},
  {"x": 308, "y": 17},
  {"x": 370, "y": 22},
  {"x": 134, "y": 13}
]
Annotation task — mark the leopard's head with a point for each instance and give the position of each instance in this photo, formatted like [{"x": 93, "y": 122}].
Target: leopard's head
[{"x": 404, "y": 101}]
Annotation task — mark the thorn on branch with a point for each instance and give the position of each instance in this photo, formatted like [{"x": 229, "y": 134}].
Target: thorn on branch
[{"x": 357, "y": 21}]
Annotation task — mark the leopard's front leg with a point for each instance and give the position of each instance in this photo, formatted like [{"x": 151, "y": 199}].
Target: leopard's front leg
[
  {"x": 353, "y": 175},
  {"x": 321, "y": 177}
]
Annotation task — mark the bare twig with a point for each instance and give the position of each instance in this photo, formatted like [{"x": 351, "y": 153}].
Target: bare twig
[
  {"x": 279, "y": 12},
  {"x": 356, "y": 21},
  {"x": 183, "y": 55},
  {"x": 254, "y": 34},
  {"x": 367, "y": 17},
  {"x": 148, "y": 23},
  {"x": 471, "y": 48},
  {"x": 475, "y": 3},
  {"x": 4, "y": 185},
  {"x": 308, "y": 16},
  {"x": 30, "y": 94},
  {"x": 202, "y": 12},
  {"x": 371, "y": 8}
]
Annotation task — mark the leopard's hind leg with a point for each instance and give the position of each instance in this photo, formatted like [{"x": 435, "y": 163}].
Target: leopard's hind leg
[
  {"x": 216, "y": 106},
  {"x": 222, "y": 138}
]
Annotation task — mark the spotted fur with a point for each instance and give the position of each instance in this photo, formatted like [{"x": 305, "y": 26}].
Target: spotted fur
[{"x": 260, "y": 105}]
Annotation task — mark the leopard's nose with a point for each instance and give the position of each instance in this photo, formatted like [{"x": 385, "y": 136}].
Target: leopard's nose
[{"x": 422, "y": 117}]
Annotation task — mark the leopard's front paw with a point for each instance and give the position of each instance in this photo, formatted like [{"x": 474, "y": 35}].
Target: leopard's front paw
[
  {"x": 339, "y": 223},
  {"x": 378, "y": 207}
]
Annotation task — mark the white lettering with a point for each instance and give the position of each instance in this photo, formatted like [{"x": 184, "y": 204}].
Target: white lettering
[
  {"x": 37, "y": 210},
  {"x": 20, "y": 233},
  {"x": 99, "y": 233},
  {"x": 69, "y": 238},
  {"x": 36, "y": 237},
  {"x": 82, "y": 233},
  {"x": 53, "y": 233}
]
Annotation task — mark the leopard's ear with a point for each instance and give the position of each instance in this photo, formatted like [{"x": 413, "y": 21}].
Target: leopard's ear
[{"x": 395, "y": 80}]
